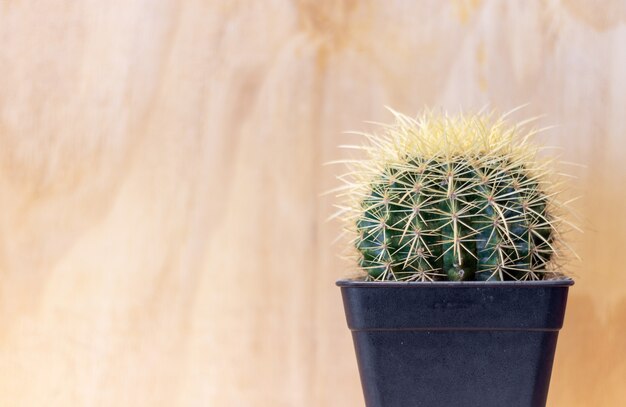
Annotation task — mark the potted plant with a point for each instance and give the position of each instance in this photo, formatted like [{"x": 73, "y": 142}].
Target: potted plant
[{"x": 458, "y": 227}]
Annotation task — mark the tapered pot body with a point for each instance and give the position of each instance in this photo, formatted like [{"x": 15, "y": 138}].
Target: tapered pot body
[{"x": 455, "y": 344}]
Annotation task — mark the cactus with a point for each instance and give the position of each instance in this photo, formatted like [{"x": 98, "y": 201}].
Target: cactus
[{"x": 454, "y": 198}]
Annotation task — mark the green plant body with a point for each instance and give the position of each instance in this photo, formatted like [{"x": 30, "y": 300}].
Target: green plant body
[{"x": 454, "y": 198}]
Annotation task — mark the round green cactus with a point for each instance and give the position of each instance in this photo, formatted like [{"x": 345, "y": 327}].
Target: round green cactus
[{"x": 454, "y": 198}]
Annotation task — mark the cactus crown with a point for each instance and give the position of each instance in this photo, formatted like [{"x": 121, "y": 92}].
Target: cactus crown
[{"x": 453, "y": 198}]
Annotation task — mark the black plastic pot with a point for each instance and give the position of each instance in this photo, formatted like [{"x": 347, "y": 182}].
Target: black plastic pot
[{"x": 455, "y": 344}]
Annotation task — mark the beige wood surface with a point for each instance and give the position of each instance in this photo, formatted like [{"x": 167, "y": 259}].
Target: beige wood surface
[{"x": 162, "y": 235}]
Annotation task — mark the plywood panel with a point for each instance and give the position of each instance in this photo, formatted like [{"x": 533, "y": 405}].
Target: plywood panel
[{"x": 162, "y": 234}]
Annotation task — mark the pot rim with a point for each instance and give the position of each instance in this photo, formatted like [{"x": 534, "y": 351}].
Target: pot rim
[{"x": 361, "y": 283}]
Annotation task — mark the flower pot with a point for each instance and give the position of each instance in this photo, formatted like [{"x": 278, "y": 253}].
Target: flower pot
[{"x": 455, "y": 344}]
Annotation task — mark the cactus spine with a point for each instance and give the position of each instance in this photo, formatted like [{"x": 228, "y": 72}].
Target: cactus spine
[{"x": 453, "y": 198}]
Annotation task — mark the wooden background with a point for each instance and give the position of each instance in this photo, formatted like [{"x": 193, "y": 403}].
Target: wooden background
[{"x": 162, "y": 240}]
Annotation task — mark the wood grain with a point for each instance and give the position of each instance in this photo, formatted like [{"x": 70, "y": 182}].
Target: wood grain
[{"x": 162, "y": 234}]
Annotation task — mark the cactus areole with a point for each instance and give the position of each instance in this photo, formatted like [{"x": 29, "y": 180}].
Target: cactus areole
[{"x": 455, "y": 198}]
